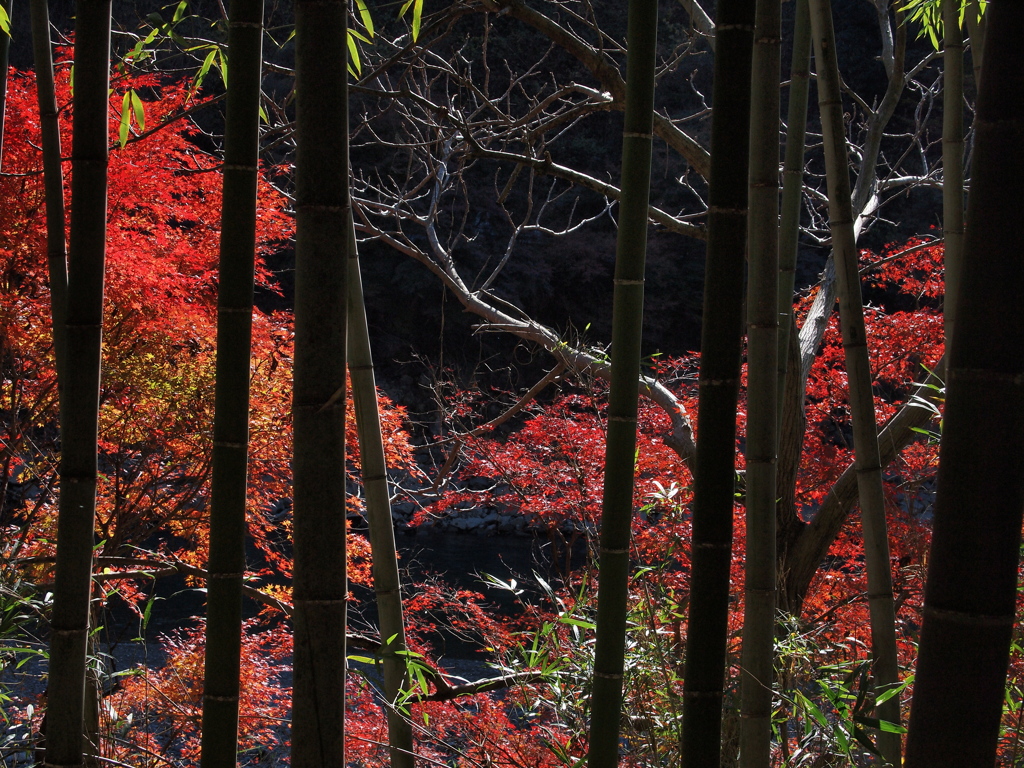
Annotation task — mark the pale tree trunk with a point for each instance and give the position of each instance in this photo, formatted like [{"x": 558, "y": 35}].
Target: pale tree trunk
[
  {"x": 387, "y": 583},
  {"x": 53, "y": 183},
  {"x": 231, "y": 393},
  {"x": 757, "y": 659},
  {"x": 80, "y": 413},
  {"x": 714, "y": 477},
  {"x": 971, "y": 590},
  {"x": 627, "y": 326},
  {"x": 322, "y": 211},
  {"x": 862, "y": 407}
]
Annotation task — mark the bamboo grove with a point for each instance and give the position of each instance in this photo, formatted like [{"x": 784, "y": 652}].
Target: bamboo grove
[{"x": 756, "y": 587}]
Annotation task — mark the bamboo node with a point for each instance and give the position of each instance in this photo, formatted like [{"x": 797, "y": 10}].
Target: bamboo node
[
  {"x": 702, "y": 694},
  {"x": 211, "y": 575},
  {"x": 626, "y": 419},
  {"x": 227, "y": 444},
  {"x": 967, "y": 617},
  {"x": 239, "y": 167},
  {"x": 982, "y": 375},
  {"x": 608, "y": 675},
  {"x": 635, "y": 135},
  {"x": 865, "y": 470},
  {"x": 371, "y": 478},
  {"x": 246, "y": 24},
  {"x": 234, "y": 310},
  {"x": 618, "y": 281},
  {"x": 606, "y": 551},
  {"x": 367, "y": 367},
  {"x": 226, "y": 699},
  {"x": 393, "y": 591},
  {"x": 69, "y": 632}
]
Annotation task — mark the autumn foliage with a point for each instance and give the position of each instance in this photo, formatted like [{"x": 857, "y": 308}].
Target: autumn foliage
[{"x": 546, "y": 465}]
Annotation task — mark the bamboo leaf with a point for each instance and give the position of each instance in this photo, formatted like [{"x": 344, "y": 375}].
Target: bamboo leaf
[
  {"x": 364, "y": 14},
  {"x": 122, "y": 132},
  {"x": 139, "y": 109},
  {"x": 353, "y": 54}
]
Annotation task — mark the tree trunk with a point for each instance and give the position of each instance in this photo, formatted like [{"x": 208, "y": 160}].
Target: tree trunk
[
  {"x": 387, "y": 583},
  {"x": 79, "y": 416},
  {"x": 627, "y": 326},
  {"x": 714, "y": 477},
  {"x": 322, "y": 210},
  {"x": 231, "y": 394},
  {"x": 858, "y": 366},
  {"x": 53, "y": 183},
  {"x": 971, "y": 591},
  {"x": 756, "y": 664}
]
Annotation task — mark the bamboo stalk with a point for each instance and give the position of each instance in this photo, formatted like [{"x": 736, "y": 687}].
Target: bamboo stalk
[
  {"x": 858, "y": 366},
  {"x": 627, "y": 327},
  {"x": 758, "y": 654},
  {"x": 714, "y": 477},
  {"x": 972, "y": 587},
  {"x": 80, "y": 412},
  {"x": 322, "y": 229},
  {"x": 231, "y": 393},
  {"x": 952, "y": 157},
  {"x": 387, "y": 584},
  {"x": 793, "y": 183},
  {"x": 53, "y": 183}
]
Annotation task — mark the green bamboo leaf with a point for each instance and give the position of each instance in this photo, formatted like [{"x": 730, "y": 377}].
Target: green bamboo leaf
[
  {"x": 360, "y": 36},
  {"x": 139, "y": 109},
  {"x": 577, "y": 622},
  {"x": 125, "y": 119},
  {"x": 5, "y": 21},
  {"x": 222, "y": 61},
  {"x": 353, "y": 54},
  {"x": 362, "y": 659},
  {"x": 204, "y": 69},
  {"x": 417, "y": 17},
  {"x": 179, "y": 12},
  {"x": 812, "y": 709},
  {"x": 364, "y": 14}
]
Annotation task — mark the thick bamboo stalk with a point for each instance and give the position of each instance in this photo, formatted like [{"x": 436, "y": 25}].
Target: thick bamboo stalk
[
  {"x": 756, "y": 663},
  {"x": 231, "y": 393},
  {"x": 952, "y": 157},
  {"x": 858, "y": 366},
  {"x": 976, "y": 24},
  {"x": 53, "y": 183},
  {"x": 322, "y": 211},
  {"x": 627, "y": 327},
  {"x": 971, "y": 591},
  {"x": 79, "y": 414},
  {"x": 387, "y": 584},
  {"x": 721, "y": 344},
  {"x": 5, "y": 49},
  {"x": 793, "y": 183}
]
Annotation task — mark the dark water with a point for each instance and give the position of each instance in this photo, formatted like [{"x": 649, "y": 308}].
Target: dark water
[{"x": 458, "y": 559}]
